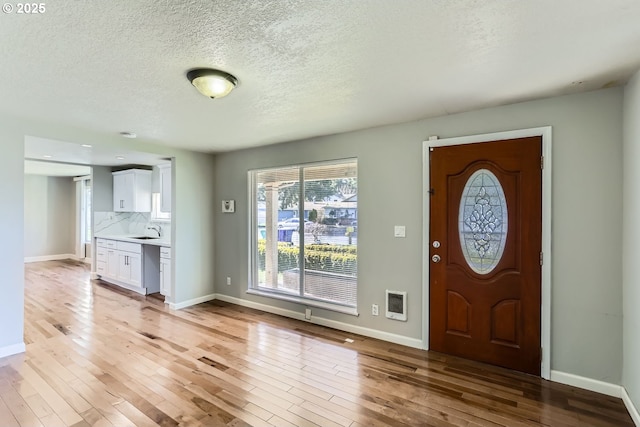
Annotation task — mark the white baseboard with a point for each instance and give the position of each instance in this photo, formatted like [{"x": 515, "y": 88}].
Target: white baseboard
[
  {"x": 49, "y": 258},
  {"x": 587, "y": 383},
  {"x": 136, "y": 289},
  {"x": 633, "y": 411},
  {"x": 190, "y": 302},
  {"x": 367, "y": 332},
  {"x": 12, "y": 349}
]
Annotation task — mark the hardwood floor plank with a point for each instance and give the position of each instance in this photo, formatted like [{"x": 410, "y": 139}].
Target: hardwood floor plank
[
  {"x": 100, "y": 355},
  {"x": 38, "y": 406},
  {"x": 51, "y": 420},
  {"x": 66, "y": 413},
  {"x": 7, "y": 416},
  {"x": 279, "y": 422},
  {"x": 94, "y": 418},
  {"x": 19, "y": 408}
]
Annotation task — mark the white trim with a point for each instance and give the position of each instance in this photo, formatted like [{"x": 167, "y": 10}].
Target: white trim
[
  {"x": 10, "y": 350},
  {"x": 546, "y": 134},
  {"x": 51, "y": 258},
  {"x": 190, "y": 302},
  {"x": 367, "y": 332},
  {"x": 586, "y": 383},
  {"x": 633, "y": 411},
  {"x": 352, "y": 311}
]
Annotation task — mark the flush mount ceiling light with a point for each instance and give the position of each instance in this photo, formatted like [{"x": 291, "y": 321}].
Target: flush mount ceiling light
[{"x": 212, "y": 83}]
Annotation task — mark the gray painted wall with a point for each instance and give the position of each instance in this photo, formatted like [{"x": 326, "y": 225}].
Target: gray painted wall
[
  {"x": 49, "y": 215},
  {"x": 631, "y": 254},
  {"x": 587, "y": 201},
  {"x": 193, "y": 214},
  {"x": 11, "y": 230},
  {"x": 102, "y": 186}
]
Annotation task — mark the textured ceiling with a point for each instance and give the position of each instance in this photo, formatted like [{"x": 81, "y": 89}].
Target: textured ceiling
[{"x": 305, "y": 68}]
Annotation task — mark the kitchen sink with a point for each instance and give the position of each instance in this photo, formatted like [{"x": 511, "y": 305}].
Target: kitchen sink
[{"x": 144, "y": 238}]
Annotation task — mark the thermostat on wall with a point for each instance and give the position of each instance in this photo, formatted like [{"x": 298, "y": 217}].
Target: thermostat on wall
[
  {"x": 228, "y": 206},
  {"x": 396, "y": 305}
]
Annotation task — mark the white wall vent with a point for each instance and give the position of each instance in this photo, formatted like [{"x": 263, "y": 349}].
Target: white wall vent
[{"x": 396, "y": 305}]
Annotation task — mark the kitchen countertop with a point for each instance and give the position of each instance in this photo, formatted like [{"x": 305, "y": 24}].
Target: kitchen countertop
[{"x": 160, "y": 241}]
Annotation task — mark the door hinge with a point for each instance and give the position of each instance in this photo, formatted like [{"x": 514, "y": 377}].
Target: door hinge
[
  {"x": 431, "y": 191},
  {"x": 541, "y": 162},
  {"x": 541, "y": 258}
]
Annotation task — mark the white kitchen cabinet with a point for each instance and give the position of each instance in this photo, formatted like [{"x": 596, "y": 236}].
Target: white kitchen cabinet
[
  {"x": 165, "y": 187},
  {"x": 165, "y": 271},
  {"x": 132, "y": 191},
  {"x": 112, "y": 263},
  {"x": 101, "y": 257},
  {"x": 130, "y": 268},
  {"x": 120, "y": 263},
  {"x": 106, "y": 258}
]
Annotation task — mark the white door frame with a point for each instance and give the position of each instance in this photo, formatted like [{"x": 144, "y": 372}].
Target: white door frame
[
  {"x": 81, "y": 217},
  {"x": 545, "y": 133}
]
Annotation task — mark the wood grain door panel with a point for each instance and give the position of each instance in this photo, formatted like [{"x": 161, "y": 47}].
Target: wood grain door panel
[{"x": 479, "y": 309}]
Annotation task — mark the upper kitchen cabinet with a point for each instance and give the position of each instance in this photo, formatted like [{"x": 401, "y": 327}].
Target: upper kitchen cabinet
[
  {"x": 132, "y": 191},
  {"x": 165, "y": 187}
]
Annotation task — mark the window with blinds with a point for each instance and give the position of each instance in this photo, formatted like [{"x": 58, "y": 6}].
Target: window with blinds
[{"x": 304, "y": 241}]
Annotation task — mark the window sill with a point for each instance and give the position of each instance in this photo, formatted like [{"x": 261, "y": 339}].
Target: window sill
[{"x": 352, "y": 311}]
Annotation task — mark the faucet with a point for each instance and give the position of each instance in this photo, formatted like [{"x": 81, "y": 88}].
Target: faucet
[{"x": 157, "y": 228}]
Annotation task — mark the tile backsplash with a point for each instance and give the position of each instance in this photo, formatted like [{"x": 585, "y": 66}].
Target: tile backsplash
[{"x": 126, "y": 223}]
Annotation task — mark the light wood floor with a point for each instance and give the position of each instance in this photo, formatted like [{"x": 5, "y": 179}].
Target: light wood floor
[{"x": 98, "y": 355}]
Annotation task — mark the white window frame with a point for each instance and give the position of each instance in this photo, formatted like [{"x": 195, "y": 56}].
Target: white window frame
[
  {"x": 87, "y": 200},
  {"x": 156, "y": 214},
  {"x": 253, "y": 287}
]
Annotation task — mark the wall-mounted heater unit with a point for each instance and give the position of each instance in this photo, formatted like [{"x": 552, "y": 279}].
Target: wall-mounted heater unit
[{"x": 396, "y": 305}]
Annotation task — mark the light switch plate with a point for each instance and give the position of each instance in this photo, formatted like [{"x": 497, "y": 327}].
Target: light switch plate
[
  {"x": 228, "y": 206},
  {"x": 399, "y": 231}
]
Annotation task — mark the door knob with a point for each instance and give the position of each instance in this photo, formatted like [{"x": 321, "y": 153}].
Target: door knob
[{"x": 435, "y": 258}]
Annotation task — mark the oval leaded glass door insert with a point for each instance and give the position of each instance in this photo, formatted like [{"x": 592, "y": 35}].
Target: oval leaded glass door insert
[{"x": 483, "y": 221}]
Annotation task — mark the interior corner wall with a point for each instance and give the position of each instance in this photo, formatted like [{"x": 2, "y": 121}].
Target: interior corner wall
[
  {"x": 586, "y": 219},
  {"x": 631, "y": 253},
  {"x": 11, "y": 230},
  {"x": 192, "y": 212},
  {"x": 49, "y": 215}
]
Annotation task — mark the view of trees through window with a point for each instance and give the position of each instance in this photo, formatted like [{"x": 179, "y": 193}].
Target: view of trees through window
[{"x": 309, "y": 248}]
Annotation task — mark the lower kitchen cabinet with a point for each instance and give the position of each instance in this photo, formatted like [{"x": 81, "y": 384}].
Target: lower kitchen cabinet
[
  {"x": 130, "y": 265},
  {"x": 165, "y": 271},
  {"x": 112, "y": 262},
  {"x": 130, "y": 268}
]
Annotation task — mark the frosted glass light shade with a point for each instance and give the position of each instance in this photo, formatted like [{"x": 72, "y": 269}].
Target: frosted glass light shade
[{"x": 212, "y": 83}]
